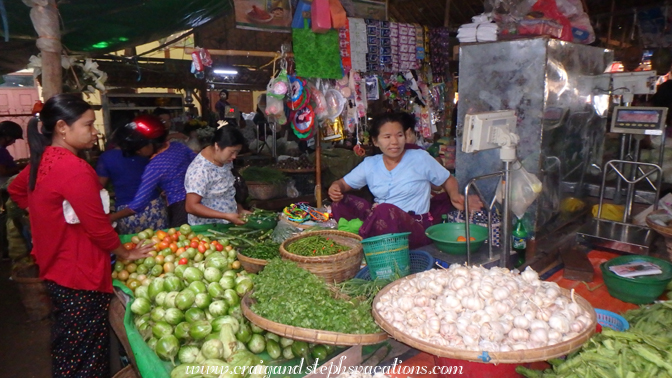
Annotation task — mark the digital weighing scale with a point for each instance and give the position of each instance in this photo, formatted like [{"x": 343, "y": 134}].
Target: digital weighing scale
[{"x": 623, "y": 236}]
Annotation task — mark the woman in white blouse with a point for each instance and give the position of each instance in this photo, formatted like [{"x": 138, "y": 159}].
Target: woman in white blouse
[{"x": 210, "y": 183}]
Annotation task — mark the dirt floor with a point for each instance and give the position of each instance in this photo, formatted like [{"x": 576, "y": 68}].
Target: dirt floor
[{"x": 24, "y": 345}]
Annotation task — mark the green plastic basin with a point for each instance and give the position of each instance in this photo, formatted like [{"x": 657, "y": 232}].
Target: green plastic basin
[
  {"x": 444, "y": 236},
  {"x": 637, "y": 290}
]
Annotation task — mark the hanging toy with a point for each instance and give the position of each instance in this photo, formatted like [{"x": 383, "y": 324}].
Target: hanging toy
[
  {"x": 276, "y": 90},
  {"x": 335, "y": 103}
]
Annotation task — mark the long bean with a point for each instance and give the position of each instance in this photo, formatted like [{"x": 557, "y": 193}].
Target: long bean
[{"x": 315, "y": 246}]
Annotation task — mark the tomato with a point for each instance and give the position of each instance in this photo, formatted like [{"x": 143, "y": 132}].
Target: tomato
[
  {"x": 161, "y": 234},
  {"x": 135, "y": 240},
  {"x": 174, "y": 237},
  {"x": 163, "y": 245},
  {"x": 157, "y": 247},
  {"x": 131, "y": 267},
  {"x": 183, "y": 261},
  {"x": 228, "y": 248},
  {"x": 182, "y": 238},
  {"x": 461, "y": 239},
  {"x": 170, "y": 258},
  {"x": 114, "y": 275},
  {"x": 129, "y": 246},
  {"x": 172, "y": 231},
  {"x": 185, "y": 229},
  {"x": 123, "y": 275},
  {"x": 159, "y": 260},
  {"x": 180, "y": 251},
  {"x": 201, "y": 248},
  {"x": 173, "y": 247},
  {"x": 235, "y": 265},
  {"x": 153, "y": 253},
  {"x": 167, "y": 239},
  {"x": 219, "y": 247},
  {"x": 118, "y": 266},
  {"x": 155, "y": 239},
  {"x": 133, "y": 284},
  {"x": 193, "y": 244},
  {"x": 168, "y": 267}
]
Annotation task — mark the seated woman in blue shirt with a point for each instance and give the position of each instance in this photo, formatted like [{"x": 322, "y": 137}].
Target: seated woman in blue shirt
[
  {"x": 211, "y": 194},
  {"x": 124, "y": 170},
  {"x": 166, "y": 170},
  {"x": 400, "y": 180}
]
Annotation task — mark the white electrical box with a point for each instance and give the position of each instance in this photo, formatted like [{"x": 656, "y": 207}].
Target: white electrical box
[
  {"x": 635, "y": 83},
  {"x": 482, "y": 131}
]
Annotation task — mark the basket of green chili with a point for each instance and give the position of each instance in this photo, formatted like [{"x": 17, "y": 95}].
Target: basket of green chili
[{"x": 334, "y": 256}]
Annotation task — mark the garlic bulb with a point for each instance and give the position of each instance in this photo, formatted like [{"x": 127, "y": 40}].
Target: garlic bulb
[
  {"x": 500, "y": 293},
  {"x": 539, "y": 335},
  {"x": 529, "y": 275},
  {"x": 521, "y": 322},
  {"x": 539, "y": 324},
  {"x": 519, "y": 334},
  {"x": 559, "y": 323},
  {"x": 472, "y": 303}
]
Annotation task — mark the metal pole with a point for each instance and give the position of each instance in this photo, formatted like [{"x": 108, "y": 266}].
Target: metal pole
[
  {"x": 505, "y": 236},
  {"x": 318, "y": 169},
  {"x": 621, "y": 156},
  {"x": 630, "y": 198}
]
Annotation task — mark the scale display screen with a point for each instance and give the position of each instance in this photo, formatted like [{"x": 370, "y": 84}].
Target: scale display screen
[{"x": 638, "y": 120}]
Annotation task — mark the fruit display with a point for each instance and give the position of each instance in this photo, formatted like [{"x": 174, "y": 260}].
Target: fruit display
[{"x": 187, "y": 304}]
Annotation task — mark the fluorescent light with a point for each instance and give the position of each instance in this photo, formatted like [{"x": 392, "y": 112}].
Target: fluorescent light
[{"x": 225, "y": 72}]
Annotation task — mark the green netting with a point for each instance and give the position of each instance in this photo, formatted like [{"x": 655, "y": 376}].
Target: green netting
[{"x": 317, "y": 54}]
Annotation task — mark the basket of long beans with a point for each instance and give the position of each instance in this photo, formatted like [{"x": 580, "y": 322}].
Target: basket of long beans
[{"x": 334, "y": 256}]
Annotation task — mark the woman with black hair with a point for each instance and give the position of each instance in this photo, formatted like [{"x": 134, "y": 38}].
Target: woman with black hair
[
  {"x": 73, "y": 255},
  {"x": 400, "y": 180},
  {"x": 124, "y": 170},
  {"x": 210, "y": 183},
  {"x": 166, "y": 169}
]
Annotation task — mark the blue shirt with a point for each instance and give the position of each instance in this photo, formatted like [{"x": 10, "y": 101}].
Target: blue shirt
[
  {"x": 215, "y": 185},
  {"x": 407, "y": 186},
  {"x": 166, "y": 171},
  {"x": 124, "y": 172}
]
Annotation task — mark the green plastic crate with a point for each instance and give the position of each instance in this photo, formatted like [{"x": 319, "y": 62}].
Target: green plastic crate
[{"x": 387, "y": 254}]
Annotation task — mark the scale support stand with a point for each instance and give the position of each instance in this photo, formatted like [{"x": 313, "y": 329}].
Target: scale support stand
[
  {"x": 486, "y": 131},
  {"x": 623, "y": 236}
]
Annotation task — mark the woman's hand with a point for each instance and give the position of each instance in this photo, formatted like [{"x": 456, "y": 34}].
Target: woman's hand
[
  {"x": 475, "y": 203},
  {"x": 335, "y": 192},
  {"x": 234, "y": 218},
  {"x": 139, "y": 252}
]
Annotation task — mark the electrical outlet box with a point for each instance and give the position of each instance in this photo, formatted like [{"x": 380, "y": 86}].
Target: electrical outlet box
[{"x": 482, "y": 130}]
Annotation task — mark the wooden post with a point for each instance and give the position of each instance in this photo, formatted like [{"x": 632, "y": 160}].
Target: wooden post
[
  {"x": 45, "y": 18},
  {"x": 318, "y": 168},
  {"x": 446, "y": 15},
  {"x": 611, "y": 21}
]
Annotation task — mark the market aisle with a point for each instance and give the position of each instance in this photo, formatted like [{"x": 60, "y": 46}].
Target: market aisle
[{"x": 24, "y": 346}]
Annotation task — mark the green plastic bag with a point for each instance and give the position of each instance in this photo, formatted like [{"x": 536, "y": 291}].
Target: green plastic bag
[
  {"x": 317, "y": 54},
  {"x": 149, "y": 364}
]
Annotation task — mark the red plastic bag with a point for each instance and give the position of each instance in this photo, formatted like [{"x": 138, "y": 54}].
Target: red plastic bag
[{"x": 549, "y": 9}]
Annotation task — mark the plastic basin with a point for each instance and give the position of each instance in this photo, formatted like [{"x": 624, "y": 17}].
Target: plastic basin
[
  {"x": 444, "y": 236},
  {"x": 637, "y": 290}
]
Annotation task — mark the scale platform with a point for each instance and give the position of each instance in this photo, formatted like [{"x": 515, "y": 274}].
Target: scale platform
[{"x": 620, "y": 237}]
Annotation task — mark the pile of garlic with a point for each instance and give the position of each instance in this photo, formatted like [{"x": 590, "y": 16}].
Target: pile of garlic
[{"x": 475, "y": 308}]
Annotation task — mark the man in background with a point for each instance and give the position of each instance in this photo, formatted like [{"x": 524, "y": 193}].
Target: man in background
[{"x": 223, "y": 102}]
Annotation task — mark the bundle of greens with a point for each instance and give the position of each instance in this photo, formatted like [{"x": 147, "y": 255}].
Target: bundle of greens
[{"x": 289, "y": 295}]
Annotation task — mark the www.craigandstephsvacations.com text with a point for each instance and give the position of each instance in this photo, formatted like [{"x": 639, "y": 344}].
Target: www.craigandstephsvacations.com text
[{"x": 331, "y": 370}]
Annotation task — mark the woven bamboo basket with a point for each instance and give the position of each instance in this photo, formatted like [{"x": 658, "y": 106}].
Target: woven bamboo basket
[
  {"x": 33, "y": 290},
  {"x": 665, "y": 232},
  {"x": 513, "y": 357},
  {"x": 306, "y": 334},
  {"x": 251, "y": 265},
  {"x": 264, "y": 191},
  {"x": 335, "y": 268}
]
